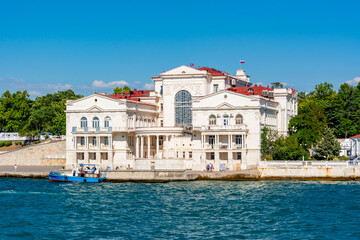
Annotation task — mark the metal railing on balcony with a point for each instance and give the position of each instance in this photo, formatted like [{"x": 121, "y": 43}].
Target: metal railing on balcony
[{"x": 221, "y": 127}]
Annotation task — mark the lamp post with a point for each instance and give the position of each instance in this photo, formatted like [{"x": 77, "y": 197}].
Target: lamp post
[{"x": 303, "y": 151}]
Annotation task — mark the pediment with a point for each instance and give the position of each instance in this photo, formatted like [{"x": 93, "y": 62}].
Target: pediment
[
  {"x": 225, "y": 106},
  {"x": 94, "y": 109},
  {"x": 183, "y": 70}
]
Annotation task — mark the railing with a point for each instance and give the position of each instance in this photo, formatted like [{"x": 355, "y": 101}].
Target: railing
[
  {"x": 91, "y": 129},
  {"x": 223, "y": 146},
  {"x": 221, "y": 127},
  {"x": 296, "y": 163}
]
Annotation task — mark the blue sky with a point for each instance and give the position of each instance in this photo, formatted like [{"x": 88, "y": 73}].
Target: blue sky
[{"x": 46, "y": 46}]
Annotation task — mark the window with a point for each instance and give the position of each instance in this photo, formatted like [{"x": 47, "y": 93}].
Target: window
[
  {"x": 80, "y": 156},
  {"x": 94, "y": 141},
  {"x": 190, "y": 154},
  {"x": 239, "y": 119},
  {"x": 161, "y": 107},
  {"x": 238, "y": 140},
  {"x": 212, "y": 139},
  {"x": 238, "y": 156},
  {"x": 95, "y": 122},
  {"x": 83, "y": 122},
  {"x": 212, "y": 156},
  {"x": 107, "y": 122},
  {"x": 161, "y": 90},
  {"x": 183, "y": 154},
  {"x": 161, "y": 123},
  {"x": 106, "y": 141},
  {"x": 82, "y": 141},
  {"x": 161, "y": 140},
  {"x": 212, "y": 120},
  {"x": 216, "y": 88},
  {"x": 183, "y": 113},
  {"x": 226, "y": 120}
]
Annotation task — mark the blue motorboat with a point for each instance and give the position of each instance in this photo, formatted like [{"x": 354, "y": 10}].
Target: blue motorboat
[{"x": 84, "y": 173}]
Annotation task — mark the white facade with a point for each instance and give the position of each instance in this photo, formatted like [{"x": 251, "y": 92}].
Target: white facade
[{"x": 193, "y": 117}]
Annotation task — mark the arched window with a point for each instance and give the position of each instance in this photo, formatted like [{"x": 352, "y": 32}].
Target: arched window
[
  {"x": 83, "y": 122},
  {"x": 107, "y": 122},
  {"x": 183, "y": 113},
  {"x": 212, "y": 120},
  {"x": 239, "y": 119},
  {"x": 226, "y": 119},
  {"x": 95, "y": 122}
]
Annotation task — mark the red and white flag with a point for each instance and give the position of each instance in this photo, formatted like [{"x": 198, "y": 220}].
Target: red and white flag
[{"x": 242, "y": 61}]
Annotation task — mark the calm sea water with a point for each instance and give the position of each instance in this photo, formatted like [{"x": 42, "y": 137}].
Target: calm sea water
[{"x": 38, "y": 209}]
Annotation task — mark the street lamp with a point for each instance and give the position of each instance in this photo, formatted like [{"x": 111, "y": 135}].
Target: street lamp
[{"x": 303, "y": 151}]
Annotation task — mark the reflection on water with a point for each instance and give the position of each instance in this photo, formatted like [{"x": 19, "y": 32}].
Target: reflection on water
[{"x": 177, "y": 210}]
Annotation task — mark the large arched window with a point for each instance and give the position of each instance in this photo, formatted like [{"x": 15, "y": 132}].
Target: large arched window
[
  {"x": 83, "y": 122},
  {"x": 183, "y": 114},
  {"x": 95, "y": 122},
  {"x": 239, "y": 119},
  {"x": 107, "y": 122},
  {"x": 212, "y": 120}
]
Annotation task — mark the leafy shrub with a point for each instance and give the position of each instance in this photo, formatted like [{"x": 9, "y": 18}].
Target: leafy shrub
[
  {"x": 46, "y": 136},
  {"x": 2, "y": 144},
  {"x": 36, "y": 142},
  {"x": 331, "y": 157},
  {"x": 7, "y": 144},
  {"x": 18, "y": 143}
]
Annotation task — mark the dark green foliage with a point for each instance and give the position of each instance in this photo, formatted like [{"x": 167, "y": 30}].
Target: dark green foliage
[
  {"x": 125, "y": 88},
  {"x": 47, "y": 113},
  {"x": 274, "y": 147},
  {"x": 5, "y": 144},
  {"x": 328, "y": 146},
  {"x": 14, "y": 110},
  {"x": 36, "y": 142}
]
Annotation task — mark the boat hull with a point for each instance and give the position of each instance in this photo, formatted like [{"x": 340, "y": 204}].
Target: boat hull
[{"x": 63, "y": 178}]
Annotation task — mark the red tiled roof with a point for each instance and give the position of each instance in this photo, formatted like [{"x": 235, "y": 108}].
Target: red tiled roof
[
  {"x": 132, "y": 95},
  {"x": 356, "y": 136},
  {"x": 212, "y": 71},
  {"x": 256, "y": 90}
]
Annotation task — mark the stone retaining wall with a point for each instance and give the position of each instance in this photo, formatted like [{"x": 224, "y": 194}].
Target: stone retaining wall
[{"x": 35, "y": 155}]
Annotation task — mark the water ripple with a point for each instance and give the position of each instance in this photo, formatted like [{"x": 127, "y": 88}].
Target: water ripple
[{"x": 33, "y": 209}]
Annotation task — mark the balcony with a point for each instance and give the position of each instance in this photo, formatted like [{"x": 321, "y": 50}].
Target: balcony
[
  {"x": 223, "y": 146},
  {"x": 91, "y": 130},
  {"x": 239, "y": 127}
]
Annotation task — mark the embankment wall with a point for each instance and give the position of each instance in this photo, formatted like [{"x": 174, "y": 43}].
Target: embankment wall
[
  {"x": 341, "y": 172},
  {"x": 36, "y": 155}
]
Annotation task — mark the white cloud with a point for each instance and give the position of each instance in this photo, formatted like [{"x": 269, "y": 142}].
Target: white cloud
[
  {"x": 34, "y": 93},
  {"x": 12, "y": 80},
  {"x": 148, "y": 86},
  {"x": 354, "y": 81},
  {"x": 59, "y": 86},
  {"x": 102, "y": 84}
]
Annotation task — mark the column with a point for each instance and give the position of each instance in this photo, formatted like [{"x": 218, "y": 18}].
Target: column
[
  {"x": 230, "y": 161},
  {"x": 157, "y": 146},
  {"x": 166, "y": 147},
  {"x": 229, "y": 142},
  {"x": 142, "y": 147},
  {"x": 137, "y": 146},
  {"x": 181, "y": 148},
  {"x": 97, "y": 142},
  {"x": 87, "y": 142},
  {"x": 148, "y": 146},
  {"x": 174, "y": 145}
]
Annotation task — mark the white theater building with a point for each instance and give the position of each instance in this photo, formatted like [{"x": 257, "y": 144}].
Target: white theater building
[{"x": 192, "y": 118}]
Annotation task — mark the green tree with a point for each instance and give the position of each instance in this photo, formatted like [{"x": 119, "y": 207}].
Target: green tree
[
  {"x": 125, "y": 88},
  {"x": 277, "y": 85},
  {"x": 268, "y": 138},
  {"x": 48, "y": 112},
  {"x": 328, "y": 145},
  {"x": 310, "y": 122},
  {"x": 287, "y": 148},
  {"x": 14, "y": 110}
]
